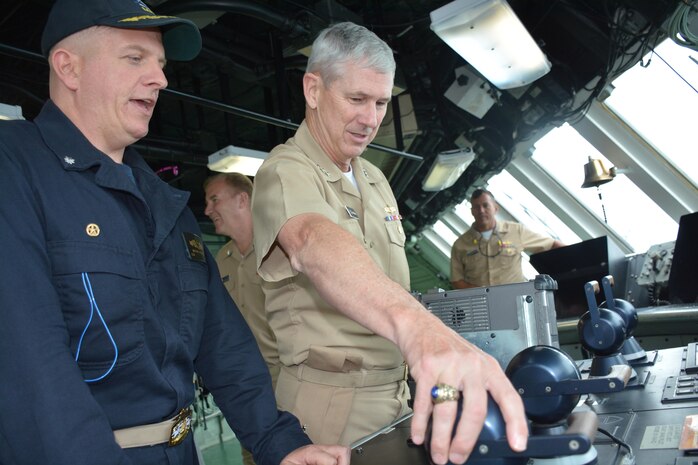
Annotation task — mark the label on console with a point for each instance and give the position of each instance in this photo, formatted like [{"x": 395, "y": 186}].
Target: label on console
[{"x": 661, "y": 437}]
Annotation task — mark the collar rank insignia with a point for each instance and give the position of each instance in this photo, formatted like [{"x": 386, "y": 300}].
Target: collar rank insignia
[{"x": 324, "y": 171}]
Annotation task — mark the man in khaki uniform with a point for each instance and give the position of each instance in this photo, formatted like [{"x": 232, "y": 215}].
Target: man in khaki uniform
[
  {"x": 228, "y": 204},
  {"x": 331, "y": 255},
  {"x": 489, "y": 253}
]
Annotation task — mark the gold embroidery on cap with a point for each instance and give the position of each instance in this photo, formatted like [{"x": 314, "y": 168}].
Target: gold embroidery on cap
[{"x": 134, "y": 19}]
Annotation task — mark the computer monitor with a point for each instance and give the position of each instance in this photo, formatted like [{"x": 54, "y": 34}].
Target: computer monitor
[
  {"x": 683, "y": 277},
  {"x": 574, "y": 265}
]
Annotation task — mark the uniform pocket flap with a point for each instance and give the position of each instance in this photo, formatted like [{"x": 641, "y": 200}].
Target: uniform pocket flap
[
  {"x": 395, "y": 232},
  {"x": 72, "y": 257}
]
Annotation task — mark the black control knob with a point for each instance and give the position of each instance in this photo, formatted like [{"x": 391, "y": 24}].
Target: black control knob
[
  {"x": 546, "y": 366},
  {"x": 603, "y": 335}
]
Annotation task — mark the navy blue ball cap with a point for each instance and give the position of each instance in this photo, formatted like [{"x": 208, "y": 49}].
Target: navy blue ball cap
[{"x": 180, "y": 37}]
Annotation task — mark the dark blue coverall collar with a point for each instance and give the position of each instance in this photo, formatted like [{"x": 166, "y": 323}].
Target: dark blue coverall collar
[{"x": 76, "y": 153}]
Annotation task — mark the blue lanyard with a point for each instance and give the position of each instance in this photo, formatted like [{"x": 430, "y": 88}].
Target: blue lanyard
[{"x": 94, "y": 307}]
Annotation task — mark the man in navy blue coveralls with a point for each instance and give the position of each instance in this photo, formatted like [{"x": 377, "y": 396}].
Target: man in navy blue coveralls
[{"x": 109, "y": 299}]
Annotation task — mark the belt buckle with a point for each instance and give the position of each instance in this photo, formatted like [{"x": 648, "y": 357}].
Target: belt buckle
[
  {"x": 406, "y": 373},
  {"x": 181, "y": 427}
]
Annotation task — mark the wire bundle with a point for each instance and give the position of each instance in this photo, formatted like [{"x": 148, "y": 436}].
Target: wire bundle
[{"x": 679, "y": 25}]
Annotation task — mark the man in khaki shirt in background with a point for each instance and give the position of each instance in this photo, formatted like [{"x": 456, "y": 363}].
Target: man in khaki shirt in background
[
  {"x": 330, "y": 250},
  {"x": 489, "y": 253},
  {"x": 228, "y": 202}
]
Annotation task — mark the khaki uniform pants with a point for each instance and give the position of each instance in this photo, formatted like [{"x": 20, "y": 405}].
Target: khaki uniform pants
[{"x": 340, "y": 415}]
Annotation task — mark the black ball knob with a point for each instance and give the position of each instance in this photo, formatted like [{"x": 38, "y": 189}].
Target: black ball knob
[
  {"x": 627, "y": 312},
  {"x": 494, "y": 429},
  {"x": 543, "y": 366},
  {"x": 604, "y": 336}
]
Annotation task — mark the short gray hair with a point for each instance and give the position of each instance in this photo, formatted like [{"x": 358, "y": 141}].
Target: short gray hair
[{"x": 347, "y": 42}]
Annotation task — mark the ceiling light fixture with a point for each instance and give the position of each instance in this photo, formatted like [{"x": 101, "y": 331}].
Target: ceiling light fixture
[
  {"x": 471, "y": 93},
  {"x": 489, "y": 35},
  {"x": 447, "y": 168},
  {"x": 232, "y": 159}
]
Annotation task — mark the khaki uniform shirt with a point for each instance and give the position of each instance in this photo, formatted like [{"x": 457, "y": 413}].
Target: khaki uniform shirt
[
  {"x": 298, "y": 177},
  {"x": 239, "y": 273},
  {"x": 497, "y": 260}
]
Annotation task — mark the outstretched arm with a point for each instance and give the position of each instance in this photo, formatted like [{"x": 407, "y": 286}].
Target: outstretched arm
[{"x": 348, "y": 279}]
